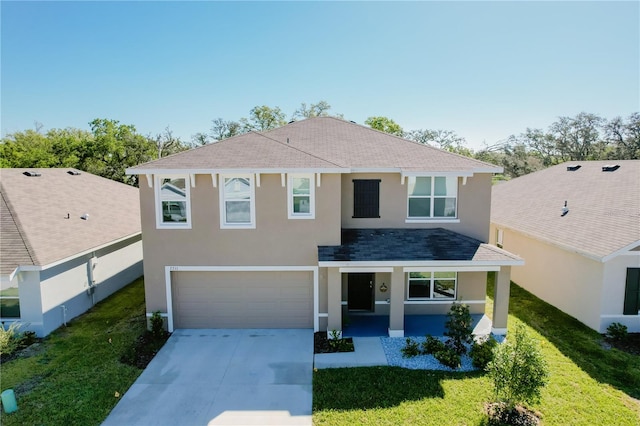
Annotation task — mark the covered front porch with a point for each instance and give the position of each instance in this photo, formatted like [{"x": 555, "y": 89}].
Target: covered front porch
[{"x": 402, "y": 282}]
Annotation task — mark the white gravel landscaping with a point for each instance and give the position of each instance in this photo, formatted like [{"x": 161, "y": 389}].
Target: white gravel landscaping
[{"x": 392, "y": 347}]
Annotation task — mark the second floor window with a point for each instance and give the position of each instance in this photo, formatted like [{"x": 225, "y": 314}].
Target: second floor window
[
  {"x": 301, "y": 198},
  {"x": 432, "y": 197},
  {"x": 366, "y": 198},
  {"x": 173, "y": 208},
  {"x": 237, "y": 202}
]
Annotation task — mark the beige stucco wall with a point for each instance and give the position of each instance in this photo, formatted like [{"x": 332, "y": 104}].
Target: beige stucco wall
[
  {"x": 474, "y": 205},
  {"x": 613, "y": 290},
  {"x": 276, "y": 240},
  {"x": 567, "y": 280}
]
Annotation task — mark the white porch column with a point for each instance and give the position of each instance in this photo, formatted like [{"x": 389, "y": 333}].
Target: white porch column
[
  {"x": 396, "y": 310},
  {"x": 334, "y": 300},
  {"x": 501, "y": 301}
]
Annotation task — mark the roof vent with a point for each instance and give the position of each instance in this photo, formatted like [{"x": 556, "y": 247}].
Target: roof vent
[
  {"x": 292, "y": 121},
  {"x": 31, "y": 174},
  {"x": 74, "y": 172},
  {"x": 610, "y": 167},
  {"x": 573, "y": 167},
  {"x": 565, "y": 209}
]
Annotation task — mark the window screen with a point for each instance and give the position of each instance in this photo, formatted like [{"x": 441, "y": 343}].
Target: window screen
[{"x": 366, "y": 198}]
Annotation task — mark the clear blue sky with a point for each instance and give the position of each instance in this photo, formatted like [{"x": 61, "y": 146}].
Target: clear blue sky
[{"x": 483, "y": 69}]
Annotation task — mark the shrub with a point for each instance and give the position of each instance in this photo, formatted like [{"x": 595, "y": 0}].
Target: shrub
[
  {"x": 481, "y": 352},
  {"x": 9, "y": 338},
  {"x": 410, "y": 349},
  {"x": 617, "y": 332},
  {"x": 459, "y": 328},
  {"x": 518, "y": 370},
  {"x": 432, "y": 345},
  {"x": 157, "y": 327},
  {"x": 448, "y": 356}
]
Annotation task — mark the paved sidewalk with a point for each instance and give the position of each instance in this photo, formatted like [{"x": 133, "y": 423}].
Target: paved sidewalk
[{"x": 368, "y": 353}]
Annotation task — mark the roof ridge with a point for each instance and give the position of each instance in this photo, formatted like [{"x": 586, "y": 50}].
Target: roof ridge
[
  {"x": 300, "y": 150},
  {"x": 16, "y": 221},
  {"x": 401, "y": 138}
]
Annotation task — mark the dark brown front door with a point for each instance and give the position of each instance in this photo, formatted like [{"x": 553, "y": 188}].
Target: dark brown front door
[{"x": 360, "y": 292}]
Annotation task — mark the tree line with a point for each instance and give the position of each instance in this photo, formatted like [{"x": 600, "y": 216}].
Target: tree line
[{"x": 110, "y": 147}]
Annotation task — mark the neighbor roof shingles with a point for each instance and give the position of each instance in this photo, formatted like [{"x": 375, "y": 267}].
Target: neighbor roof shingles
[
  {"x": 40, "y": 205},
  {"x": 318, "y": 143},
  {"x": 604, "y": 207}
]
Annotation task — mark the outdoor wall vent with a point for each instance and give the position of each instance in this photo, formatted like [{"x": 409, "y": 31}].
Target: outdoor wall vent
[
  {"x": 573, "y": 167},
  {"x": 31, "y": 174},
  {"x": 74, "y": 172},
  {"x": 610, "y": 167}
]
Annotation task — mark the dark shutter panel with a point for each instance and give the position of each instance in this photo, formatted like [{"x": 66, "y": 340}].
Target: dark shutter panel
[
  {"x": 366, "y": 198},
  {"x": 632, "y": 292}
]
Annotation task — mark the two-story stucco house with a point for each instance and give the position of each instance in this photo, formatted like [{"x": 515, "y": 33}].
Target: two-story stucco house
[{"x": 294, "y": 227}]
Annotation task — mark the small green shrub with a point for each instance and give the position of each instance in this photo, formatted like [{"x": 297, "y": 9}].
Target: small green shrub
[
  {"x": 617, "y": 332},
  {"x": 432, "y": 345},
  {"x": 448, "y": 356},
  {"x": 518, "y": 370},
  {"x": 157, "y": 326},
  {"x": 339, "y": 344},
  {"x": 9, "y": 338},
  {"x": 459, "y": 329},
  {"x": 410, "y": 349},
  {"x": 481, "y": 352}
]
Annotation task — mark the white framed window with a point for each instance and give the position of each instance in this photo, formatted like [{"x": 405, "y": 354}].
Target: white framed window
[
  {"x": 301, "y": 196},
  {"x": 173, "y": 202},
  {"x": 432, "y": 197},
  {"x": 432, "y": 285},
  {"x": 499, "y": 237},
  {"x": 237, "y": 202},
  {"x": 10, "y": 302}
]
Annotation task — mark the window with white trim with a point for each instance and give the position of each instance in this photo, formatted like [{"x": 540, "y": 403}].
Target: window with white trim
[
  {"x": 237, "y": 202},
  {"x": 173, "y": 206},
  {"x": 301, "y": 196},
  {"x": 499, "y": 237},
  {"x": 432, "y": 285},
  {"x": 9, "y": 302},
  {"x": 432, "y": 197}
]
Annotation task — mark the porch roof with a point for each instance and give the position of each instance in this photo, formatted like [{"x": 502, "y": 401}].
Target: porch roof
[{"x": 412, "y": 247}]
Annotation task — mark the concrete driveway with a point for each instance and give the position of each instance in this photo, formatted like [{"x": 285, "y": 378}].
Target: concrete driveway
[{"x": 223, "y": 377}]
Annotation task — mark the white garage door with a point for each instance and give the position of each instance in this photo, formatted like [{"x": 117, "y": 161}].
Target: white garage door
[{"x": 242, "y": 299}]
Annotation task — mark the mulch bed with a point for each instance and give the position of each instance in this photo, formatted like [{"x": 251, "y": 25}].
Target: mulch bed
[
  {"x": 321, "y": 344},
  {"x": 630, "y": 345}
]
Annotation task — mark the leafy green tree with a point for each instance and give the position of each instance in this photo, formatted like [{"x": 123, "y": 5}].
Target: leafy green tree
[
  {"x": 518, "y": 370},
  {"x": 320, "y": 109},
  {"x": 263, "y": 118},
  {"x": 624, "y": 137},
  {"x": 167, "y": 144},
  {"x": 384, "y": 124},
  {"x": 578, "y": 138},
  {"x": 223, "y": 129}
]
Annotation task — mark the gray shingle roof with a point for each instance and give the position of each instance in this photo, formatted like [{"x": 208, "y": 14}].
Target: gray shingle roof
[
  {"x": 35, "y": 230},
  {"x": 318, "y": 143},
  {"x": 604, "y": 207},
  {"x": 397, "y": 245}
]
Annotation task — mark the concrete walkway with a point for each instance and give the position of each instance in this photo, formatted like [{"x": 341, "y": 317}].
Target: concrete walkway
[
  {"x": 367, "y": 352},
  {"x": 224, "y": 377}
]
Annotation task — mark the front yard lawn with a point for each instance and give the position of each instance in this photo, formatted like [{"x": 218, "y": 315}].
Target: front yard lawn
[
  {"x": 75, "y": 376},
  {"x": 589, "y": 385}
]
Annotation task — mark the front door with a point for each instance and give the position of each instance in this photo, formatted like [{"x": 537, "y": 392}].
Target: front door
[{"x": 360, "y": 292}]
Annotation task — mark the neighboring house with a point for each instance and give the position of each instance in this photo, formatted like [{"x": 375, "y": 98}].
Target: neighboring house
[
  {"x": 68, "y": 239},
  {"x": 297, "y": 226},
  {"x": 583, "y": 258}
]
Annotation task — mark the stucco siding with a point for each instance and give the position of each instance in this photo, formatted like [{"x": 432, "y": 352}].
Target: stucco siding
[
  {"x": 567, "y": 280},
  {"x": 275, "y": 241},
  {"x": 30, "y": 301},
  {"x": 613, "y": 291},
  {"x": 473, "y": 205}
]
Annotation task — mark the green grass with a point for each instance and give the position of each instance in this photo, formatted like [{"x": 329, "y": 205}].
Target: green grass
[
  {"x": 74, "y": 374},
  {"x": 588, "y": 385}
]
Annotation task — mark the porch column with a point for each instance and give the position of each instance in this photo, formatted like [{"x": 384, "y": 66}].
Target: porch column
[
  {"x": 334, "y": 300},
  {"x": 396, "y": 310},
  {"x": 501, "y": 301}
]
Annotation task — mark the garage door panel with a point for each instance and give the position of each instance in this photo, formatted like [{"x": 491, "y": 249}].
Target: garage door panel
[{"x": 243, "y": 299}]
